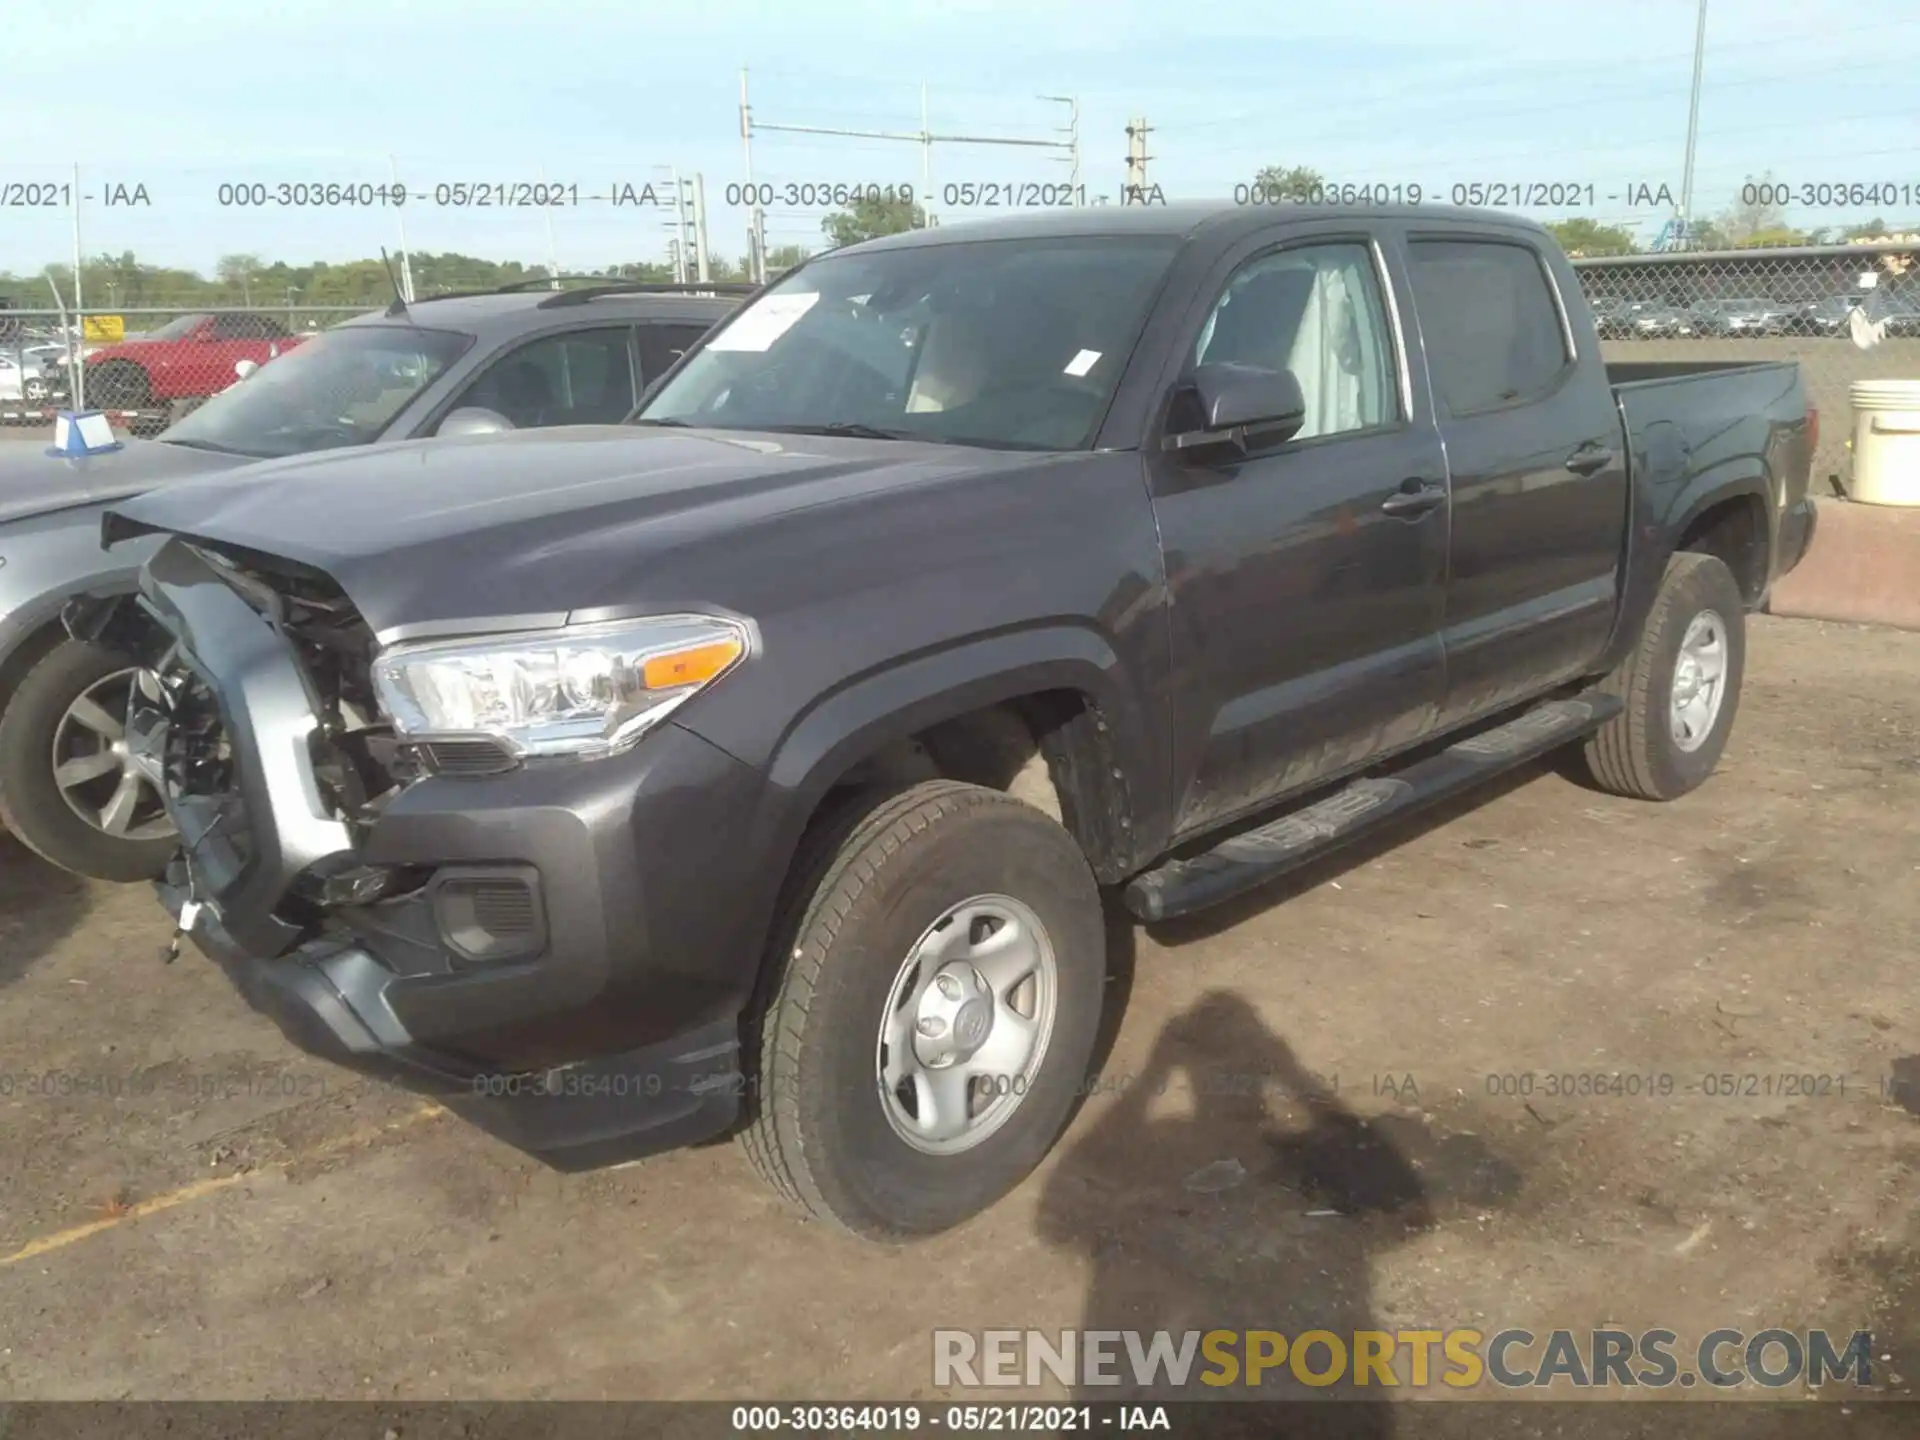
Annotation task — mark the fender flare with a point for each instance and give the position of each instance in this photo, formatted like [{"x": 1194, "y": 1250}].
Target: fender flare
[
  {"x": 838, "y": 729},
  {"x": 37, "y": 615}
]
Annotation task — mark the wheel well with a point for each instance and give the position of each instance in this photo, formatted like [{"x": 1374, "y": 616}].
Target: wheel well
[
  {"x": 1735, "y": 533},
  {"x": 34, "y": 648},
  {"x": 1049, "y": 749}
]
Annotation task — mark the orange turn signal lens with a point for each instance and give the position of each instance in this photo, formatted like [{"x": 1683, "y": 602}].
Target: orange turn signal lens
[{"x": 693, "y": 666}]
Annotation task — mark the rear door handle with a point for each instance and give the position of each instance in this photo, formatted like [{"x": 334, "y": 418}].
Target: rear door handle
[
  {"x": 1589, "y": 458},
  {"x": 1415, "y": 498}
]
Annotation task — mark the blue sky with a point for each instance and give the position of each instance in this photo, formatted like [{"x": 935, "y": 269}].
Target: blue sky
[{"x": 1375, "y": 91}]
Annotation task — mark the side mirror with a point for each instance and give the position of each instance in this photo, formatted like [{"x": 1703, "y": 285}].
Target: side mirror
[
  {"x": 473, "y": 420},
  {"x": 244, "y": 368},
  {"x": 1237, "y": 399}
]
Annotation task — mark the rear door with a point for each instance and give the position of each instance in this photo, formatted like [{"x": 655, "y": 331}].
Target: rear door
[
  {"x": 1533, "y": 449},
  {"x": 582, "y": 376},
  {"x": 1307, "y": 580}
]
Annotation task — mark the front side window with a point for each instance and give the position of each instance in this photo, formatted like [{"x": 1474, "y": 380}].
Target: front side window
[
  {"x": 1492, "y": 329},
  {"x": 1317, "y": 312},
  {"x": 1004, "y": 344}
]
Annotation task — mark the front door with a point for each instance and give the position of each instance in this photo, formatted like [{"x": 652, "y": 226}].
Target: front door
[{"x": 1306, "y": 582}]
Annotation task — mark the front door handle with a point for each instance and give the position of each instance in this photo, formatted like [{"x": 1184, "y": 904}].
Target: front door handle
[
  {"x": 1414, "y": 498},
  {"x": 1589, "y": 459}
]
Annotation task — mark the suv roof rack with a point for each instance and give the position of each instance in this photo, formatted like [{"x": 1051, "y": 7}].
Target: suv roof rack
[
  {"x": 645, "y": 287},
  {"x": 597, "y": 285}
]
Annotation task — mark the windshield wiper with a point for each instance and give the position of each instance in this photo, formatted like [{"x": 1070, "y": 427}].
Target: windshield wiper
[
  {"x": 669, "y": 421},
  {"x": 200, "y": 445},
  {"x": 851, "y": 429}
]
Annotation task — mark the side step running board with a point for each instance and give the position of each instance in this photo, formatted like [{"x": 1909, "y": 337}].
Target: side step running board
[{"x": 1257, "y": 856}]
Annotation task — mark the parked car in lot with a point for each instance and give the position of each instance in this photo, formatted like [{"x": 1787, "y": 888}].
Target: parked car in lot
[
  {"x": 21, "y": 380},
  {"x": 1901, "y": 312},
  {"x": 1612, "y": 317},
  {"x": 1831, "y": 316},
  {"x": 1658, "y": 320},
  {"x": 186, "y": 359},
  {"x": 467, "y": 364},
  {"x": 1745, "y": 317},
  {"x": 761, "y": 763}
]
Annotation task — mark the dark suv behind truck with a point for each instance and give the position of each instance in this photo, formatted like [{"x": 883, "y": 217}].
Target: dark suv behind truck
[{"x": 761, "y": 764}]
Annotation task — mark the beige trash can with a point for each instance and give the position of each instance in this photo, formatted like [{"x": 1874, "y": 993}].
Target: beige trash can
[{"x": 1886, "y": 442}]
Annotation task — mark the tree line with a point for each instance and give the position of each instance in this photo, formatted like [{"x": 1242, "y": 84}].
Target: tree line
[{"x": 123, "y": 281}]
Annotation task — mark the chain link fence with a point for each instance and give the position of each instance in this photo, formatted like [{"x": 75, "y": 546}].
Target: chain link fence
[
  {"x": 1746, "y": 305},
  {"x": 146, "y": 367},
  {"x": 151, "y": 363}
]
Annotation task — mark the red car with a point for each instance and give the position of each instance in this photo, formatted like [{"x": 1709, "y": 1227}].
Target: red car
[{"x": 185, "y": 359}]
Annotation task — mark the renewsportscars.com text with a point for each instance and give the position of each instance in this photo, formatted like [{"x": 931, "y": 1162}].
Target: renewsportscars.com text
[{"x": 1459, "y": 1359}]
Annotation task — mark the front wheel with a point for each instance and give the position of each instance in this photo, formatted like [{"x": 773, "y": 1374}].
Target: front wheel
[
  {"x": 69, "y": 788},
  {"x": 944, "y": 961},
  {"x": 1681, "y": 685}
]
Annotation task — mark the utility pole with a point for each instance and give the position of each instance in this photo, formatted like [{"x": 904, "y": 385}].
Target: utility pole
[
  {"x": 1072, "y": 131},
  {"x": 1693, "y": 123},
  {"x": 76, "y": 345},
  {"x": 757, "y": 221},
  {"x": 925, "y": 137},
  {"x": 700, "y": 227},
  {"x": 1137, "y": 158}
]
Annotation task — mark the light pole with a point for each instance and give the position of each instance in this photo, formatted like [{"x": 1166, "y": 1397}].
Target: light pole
[{"x": 1693, "y": 122}]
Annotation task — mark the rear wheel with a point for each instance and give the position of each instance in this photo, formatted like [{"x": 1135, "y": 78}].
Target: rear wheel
[
  {"x": 944, "y": 961},
  {"x": 1681, "y": 685},
  {"x": 67, "y": 786},
  {"x": 120, "y": 385}
]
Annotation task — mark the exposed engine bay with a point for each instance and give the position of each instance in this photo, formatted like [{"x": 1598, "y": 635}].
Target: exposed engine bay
[{"x": 358, "y": 763}]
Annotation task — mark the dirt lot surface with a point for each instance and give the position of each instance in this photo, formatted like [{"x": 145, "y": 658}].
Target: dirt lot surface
[{"x": 205, "y": 1213}]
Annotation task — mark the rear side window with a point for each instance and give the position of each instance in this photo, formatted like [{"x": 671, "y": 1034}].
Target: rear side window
[{"x": 1492, "y": 329}]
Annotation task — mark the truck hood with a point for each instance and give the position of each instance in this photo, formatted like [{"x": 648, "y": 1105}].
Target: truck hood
[
  {"x": 33, "y": 482},
  {"x": 529, "y": 526}
]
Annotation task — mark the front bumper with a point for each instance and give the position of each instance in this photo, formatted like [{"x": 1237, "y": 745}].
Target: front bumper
[{"x": 608, "y": 1029}]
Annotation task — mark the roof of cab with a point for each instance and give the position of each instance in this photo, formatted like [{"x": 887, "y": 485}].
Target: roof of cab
[
  {"x": 1185, "y": 220},
  {"x": 516, "y": 309}
]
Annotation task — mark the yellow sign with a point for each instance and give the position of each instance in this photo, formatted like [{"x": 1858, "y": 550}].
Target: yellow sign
[{"x": 103, "y": 327}]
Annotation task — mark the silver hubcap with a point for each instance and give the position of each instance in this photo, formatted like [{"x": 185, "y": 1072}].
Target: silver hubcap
[
  {"x": 97, "y": 776},
  {"x": 1699, "y": 680},
  {"x": 966, "y": 1025}
]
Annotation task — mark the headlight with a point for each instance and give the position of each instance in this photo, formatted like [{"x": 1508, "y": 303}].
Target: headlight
[{"x": 585, "y": 690}]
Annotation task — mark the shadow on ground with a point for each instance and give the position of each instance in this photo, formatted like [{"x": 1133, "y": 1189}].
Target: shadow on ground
[
  {"x": 1266, "y": 1201},
  {"x": 40, "y": 905}
]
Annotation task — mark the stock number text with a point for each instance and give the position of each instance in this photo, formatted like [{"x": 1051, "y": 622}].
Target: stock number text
[
  {"x": 806, "y": 194},
  {"x": 1393, "y": 192},
  {"x": 1825, "y": 193},
  {"x": 302, "y": 194}
]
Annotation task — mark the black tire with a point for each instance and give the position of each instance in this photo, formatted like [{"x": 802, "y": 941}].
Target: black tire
[
  {"x": 120, "y": 385},
  {"x": 1635, "y": 754},
  {"x": 864, "y": 891},
  {"x": 31, "y": 802}
]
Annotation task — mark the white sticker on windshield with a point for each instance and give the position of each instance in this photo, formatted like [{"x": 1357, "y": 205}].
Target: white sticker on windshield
[
  {"x": 1082, "y": 363},
  {"x": 765, "y": 322}
]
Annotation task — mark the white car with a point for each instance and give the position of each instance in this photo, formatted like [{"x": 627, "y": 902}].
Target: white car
[{"x": 20, "y": 385}]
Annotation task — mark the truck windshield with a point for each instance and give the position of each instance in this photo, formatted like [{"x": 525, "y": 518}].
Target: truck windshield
[
  {"x": 1004, "y": 344},
  {"x": 342, "y": 387}
]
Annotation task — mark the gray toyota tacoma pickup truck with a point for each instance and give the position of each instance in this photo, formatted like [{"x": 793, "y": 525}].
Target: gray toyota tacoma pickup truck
[{"x": 760, "y": 765}]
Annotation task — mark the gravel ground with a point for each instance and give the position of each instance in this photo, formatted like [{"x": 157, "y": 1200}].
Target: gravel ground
[{"x": 209, "y": 1214}]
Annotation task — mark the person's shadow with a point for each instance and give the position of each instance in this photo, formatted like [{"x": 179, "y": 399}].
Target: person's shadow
[{"x": 1226, "y": 1188}]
